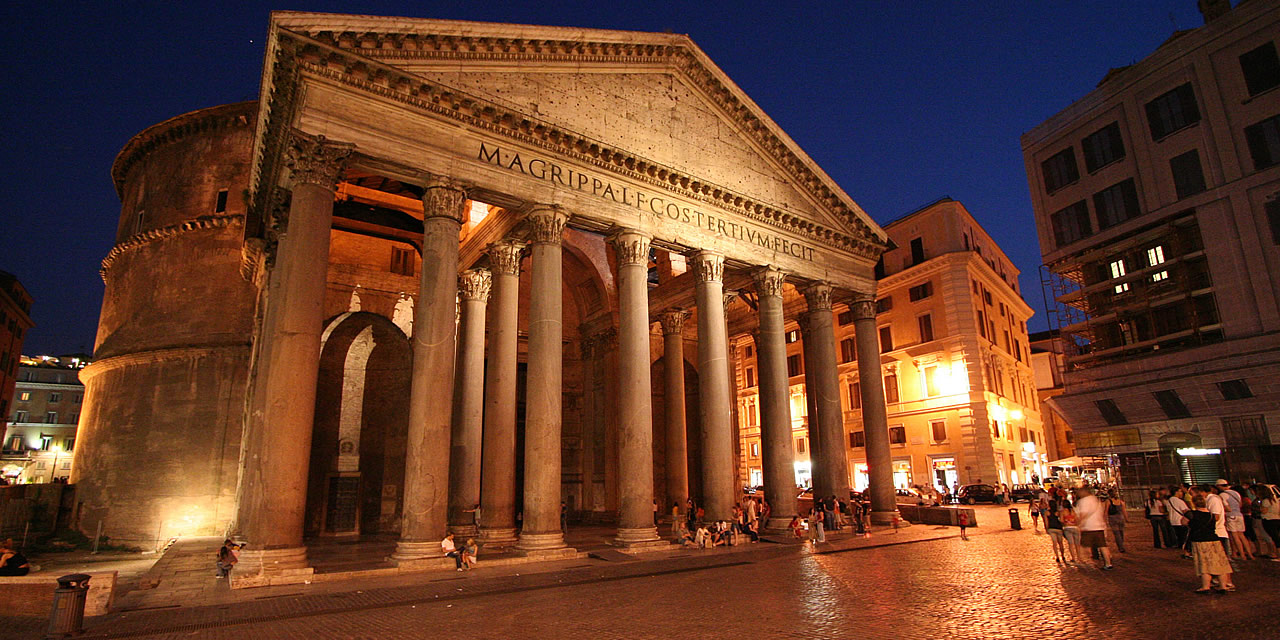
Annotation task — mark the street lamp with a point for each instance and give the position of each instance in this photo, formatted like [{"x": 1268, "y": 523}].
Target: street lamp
[{"x": 57, "y": 450}]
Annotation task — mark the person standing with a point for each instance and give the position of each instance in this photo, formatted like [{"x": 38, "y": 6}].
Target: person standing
[
  {"x": 1179, "y": 509},
  {"x": 676, "y": 520},
  {"x": 1211, "y": 560},
  {"x": 816, "y": 533},
  {"x": 1093, "y": 524},
  {"x": 1157, "y": 508},
  {"x": 1117, "y": 518},
  {"x": 1240, "y": 547},
  {"x": 962, "y": 519},
  {"x": 1213, "y": 502},
  {"x": 1071, "y": 530},
  {"x": 1053, "y": 525}
]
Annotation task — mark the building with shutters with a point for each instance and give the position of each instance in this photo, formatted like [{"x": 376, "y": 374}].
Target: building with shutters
[
  {"x": 1157, "y": 204},
  {"x": 955, "y": 362}
]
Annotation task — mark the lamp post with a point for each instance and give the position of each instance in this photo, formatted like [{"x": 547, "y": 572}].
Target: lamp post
[{"x": 57, "y": 450}]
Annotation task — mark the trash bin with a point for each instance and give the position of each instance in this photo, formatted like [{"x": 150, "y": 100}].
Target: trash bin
[
  {"x": 1014, "y": 522},
  {"x": 67, "y": 617}
]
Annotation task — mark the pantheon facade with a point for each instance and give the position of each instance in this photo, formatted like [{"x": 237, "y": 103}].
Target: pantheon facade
[{"x": 443, "y": 264}]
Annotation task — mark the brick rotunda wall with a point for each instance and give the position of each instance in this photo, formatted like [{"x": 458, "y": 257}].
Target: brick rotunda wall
[{"x": 159, "y": 436}]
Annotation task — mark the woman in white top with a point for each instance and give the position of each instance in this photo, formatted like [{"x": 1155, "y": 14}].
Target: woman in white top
[{"x": 1268, "y": 506}]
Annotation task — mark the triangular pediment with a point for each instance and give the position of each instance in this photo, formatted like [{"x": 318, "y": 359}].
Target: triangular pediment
[{"x": 652, "y": 99}]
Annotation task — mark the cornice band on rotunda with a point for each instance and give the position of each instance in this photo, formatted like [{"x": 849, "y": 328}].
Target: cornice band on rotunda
[{"x": 201, "y": 223}]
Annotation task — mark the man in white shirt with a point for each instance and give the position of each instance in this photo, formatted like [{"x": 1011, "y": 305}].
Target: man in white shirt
[
  {"x": 451, "y": 551},
  {"x": 1092, "y": 517},
  {"x": 1219, "y": 511},
  {"x": 1178, "y": 519}
]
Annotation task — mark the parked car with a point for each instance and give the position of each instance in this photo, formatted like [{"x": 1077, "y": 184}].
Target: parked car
[
  {"x": 972, "y": 493},
  {"x": 1020, "y": 492}
]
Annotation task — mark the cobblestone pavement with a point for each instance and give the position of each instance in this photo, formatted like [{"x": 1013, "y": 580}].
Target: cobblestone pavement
[{"x": 999, "y": 584}]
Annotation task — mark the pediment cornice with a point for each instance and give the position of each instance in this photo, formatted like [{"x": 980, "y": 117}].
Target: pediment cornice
[{"x": 371, "y": 59}]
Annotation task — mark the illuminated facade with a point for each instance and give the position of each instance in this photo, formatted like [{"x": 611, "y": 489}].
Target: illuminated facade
[
  {"x": 15, "y": 320},
  {"x": 1157, "y": 202},
  {"x": 40, "y": 441},
  {"x": 424, "y": 271}
]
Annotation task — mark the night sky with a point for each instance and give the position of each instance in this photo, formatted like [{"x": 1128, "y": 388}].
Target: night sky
[{"x": 900, "y": 102}]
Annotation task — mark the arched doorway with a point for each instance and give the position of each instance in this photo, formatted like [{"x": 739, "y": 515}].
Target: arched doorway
[{"x": 356, "y": 475}]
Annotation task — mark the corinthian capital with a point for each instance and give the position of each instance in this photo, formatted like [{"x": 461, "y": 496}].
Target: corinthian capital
[
  {"x": 768, "y": 281},
  {"x": 474, "y": 284},
  {"x": 631, "y": 247},
  {"x": 863, "y": 306},
  {"x": 546, "y": 224},
  {"x": 444, "y": 198},
  {"x": 315, "y": 160},
  {"x": 708, "y": 266},
  {"x": 818, "y": 295},
  {"x": 504, "y": 257},
  {"x": 673, "y": 321}
]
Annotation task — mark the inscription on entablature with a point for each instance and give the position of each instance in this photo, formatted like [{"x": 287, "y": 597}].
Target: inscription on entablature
[{"x": 657, "y": 205}]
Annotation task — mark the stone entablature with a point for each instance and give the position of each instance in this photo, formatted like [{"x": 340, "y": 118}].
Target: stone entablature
[
  {"x": 297, "y": 57},
  {"x": 174, "y": 130}
]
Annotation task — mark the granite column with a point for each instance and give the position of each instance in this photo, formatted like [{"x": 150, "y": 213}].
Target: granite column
[
  {"x": 468, "y": 404},
  {"x": 823, "y": 382},
  {"x": 426, "y": 467},
  {"x": 714, "y": 397},
  {"x": 635, "y": 404},
  {"x": 543, "y": 393},
  {"x": 775, "y": 402},
  {"x": 677, "y": 461},
  {"x": 498, "y": 468},
  {"x": 276, "y": 451},
  {"x": 875, "y": 420}
]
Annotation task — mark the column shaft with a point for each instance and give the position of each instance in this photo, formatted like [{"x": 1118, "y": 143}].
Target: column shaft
[
  {"x": 714, "y": 397},
  {"x": 498, "y": 468},
  {"x": 821, "y": 365},
  {"x": 817, "y": 463},
  {"x": 775, "y": 406},
  {"x": 635, "y": 405},
  {"x": 468, "y": 404},
  {"x": 677, "y": 460},
  {"x": 543, "y": 393},
  {"x": 875, "y": 420},
  {"x": 277, "y": 446},
  {"x": 426, "y": 467}
]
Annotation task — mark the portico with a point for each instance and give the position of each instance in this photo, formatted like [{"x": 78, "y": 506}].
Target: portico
[{"x": 537, "y": 211}]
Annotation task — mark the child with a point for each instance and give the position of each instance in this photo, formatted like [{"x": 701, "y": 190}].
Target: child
[{"x": 963, "y": 519}]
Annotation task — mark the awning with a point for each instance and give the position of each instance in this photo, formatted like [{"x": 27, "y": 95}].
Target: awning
[{"x": 1088, "y": 462}]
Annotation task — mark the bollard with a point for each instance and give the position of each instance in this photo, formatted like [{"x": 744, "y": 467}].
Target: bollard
[
  {"x": 67, "y": 618},
  {"x": 1014, "y": 522}
]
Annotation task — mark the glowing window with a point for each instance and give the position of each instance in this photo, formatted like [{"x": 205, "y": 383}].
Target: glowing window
[
  {"x": 1155, "y": 256},
  {"x": 1117, "y": 271}
]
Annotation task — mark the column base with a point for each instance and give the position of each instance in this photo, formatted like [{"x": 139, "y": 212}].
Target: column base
[
  {"x": 464, "y": 531},
  {"x": 638, "y": 537},
  {"x": 539, "y": 544},
  {"x": 887, "y": 518},
  {"x": 265, "y": 567},
  {"x": 498, "y": 537},
  {"x": 407, "y": 551},
  {"x": 777, "y": 526}
]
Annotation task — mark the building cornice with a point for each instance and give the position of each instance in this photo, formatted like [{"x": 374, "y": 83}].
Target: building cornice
[
  {"x": 174, "y": 129},
  {"x": 190, "y": 352},
  {"x": 358, "y": 60},
  {"x": 202, "y": 223},
  {"x": 47, "y": 386}
]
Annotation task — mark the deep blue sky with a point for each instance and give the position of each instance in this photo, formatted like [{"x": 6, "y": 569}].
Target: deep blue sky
[{"x": 901, "y": 102}]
